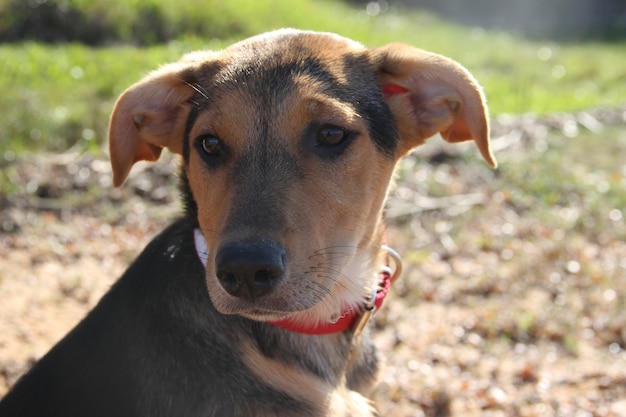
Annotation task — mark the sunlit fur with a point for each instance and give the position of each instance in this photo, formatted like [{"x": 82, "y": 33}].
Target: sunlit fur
[{"x": 265, "y": 98}]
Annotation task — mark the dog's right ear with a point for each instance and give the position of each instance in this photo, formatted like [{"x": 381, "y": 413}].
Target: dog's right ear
[{"x": 151, "y": 114}]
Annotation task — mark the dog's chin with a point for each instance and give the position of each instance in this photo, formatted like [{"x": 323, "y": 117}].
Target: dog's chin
[
  {"x": 255, "y": 313},
  {"x": 311, "y": 316},
  {"x": 272, "y": 309},
  {"x": 261, "y": 315},
  {"x": 264, "y": 309}
]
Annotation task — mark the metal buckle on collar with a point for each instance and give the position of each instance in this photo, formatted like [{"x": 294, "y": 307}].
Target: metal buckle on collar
[
  {"x": 397, "y": 262},
  {"x": 389, "y": 275}
]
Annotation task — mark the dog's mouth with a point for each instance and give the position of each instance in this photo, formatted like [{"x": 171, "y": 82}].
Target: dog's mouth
[
  {"x": 296, "y": 309},
  {"x": 264, "y": 315},
  {"x": 315, "y": 320},
  {"x": 323, "y": 306},
  {"x": 267, "y": 309}
]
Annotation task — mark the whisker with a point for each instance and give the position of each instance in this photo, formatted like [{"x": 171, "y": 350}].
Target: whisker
[
  {"x": 334, "y": 249},
  {"x": 198, "y": 89}
]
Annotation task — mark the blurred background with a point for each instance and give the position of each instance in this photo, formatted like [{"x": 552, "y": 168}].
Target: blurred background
[
  {"x": 513, "y": 302},
  {"x": 566, "y": 20},
  {"x": 66, "y": 60}
]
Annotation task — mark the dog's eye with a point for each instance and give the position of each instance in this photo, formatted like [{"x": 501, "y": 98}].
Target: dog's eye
[
  {"x": 210, "y": 144},
  {"x": 331, "y": 136}
]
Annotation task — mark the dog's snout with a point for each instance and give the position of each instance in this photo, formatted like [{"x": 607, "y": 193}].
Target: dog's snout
[{"x": 250, "y": 270}]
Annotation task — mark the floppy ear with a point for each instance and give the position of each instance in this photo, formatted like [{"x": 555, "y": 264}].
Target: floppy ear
[
  {"x": 151, "y": 114},
  {"x": 428, "y": 94}
]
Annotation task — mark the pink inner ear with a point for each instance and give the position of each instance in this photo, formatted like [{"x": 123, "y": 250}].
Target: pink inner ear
[{"x": 393, "y": 89}]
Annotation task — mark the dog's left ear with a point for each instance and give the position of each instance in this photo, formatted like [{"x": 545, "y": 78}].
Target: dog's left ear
[
  {"x": 428, "y": 94},
  {"x": 151, "y": 114}
]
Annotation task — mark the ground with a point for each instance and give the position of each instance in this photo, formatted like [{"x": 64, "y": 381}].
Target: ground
[{"x": 510, "y": 304}]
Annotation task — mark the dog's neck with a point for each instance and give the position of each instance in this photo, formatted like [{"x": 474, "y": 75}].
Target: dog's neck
[{"x": 353, "y": 319}]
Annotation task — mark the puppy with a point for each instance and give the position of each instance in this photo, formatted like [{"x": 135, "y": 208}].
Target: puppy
[{"x": 249, "y": 304}]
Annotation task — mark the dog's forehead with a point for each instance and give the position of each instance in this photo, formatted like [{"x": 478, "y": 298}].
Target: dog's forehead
[
  {"x": 289, "y": 53},
  {"x": 286, "y": 40}
]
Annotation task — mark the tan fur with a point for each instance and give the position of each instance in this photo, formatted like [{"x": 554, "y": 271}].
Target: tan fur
[
  {"x": 324, "y": 398},
  {"x": 333, "y": 218},
  {"x": 287, "y": 379}
]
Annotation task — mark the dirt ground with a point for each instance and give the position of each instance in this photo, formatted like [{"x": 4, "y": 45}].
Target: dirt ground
[{"x": 476, "y": 327}]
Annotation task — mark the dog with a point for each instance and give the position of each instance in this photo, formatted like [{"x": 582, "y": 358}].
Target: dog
[{"x": 254, "y": 303}]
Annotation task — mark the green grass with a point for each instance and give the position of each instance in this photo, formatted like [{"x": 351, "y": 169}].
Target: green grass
[
  {"x": 547, "y": 245},
  {"x": 583, "y": 173},
  {"x": 577, "y": 184},
  {"x": 59, "y": 96}
]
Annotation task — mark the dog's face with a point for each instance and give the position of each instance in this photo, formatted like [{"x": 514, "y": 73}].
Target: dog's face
[{"x": 289, "y": 141}]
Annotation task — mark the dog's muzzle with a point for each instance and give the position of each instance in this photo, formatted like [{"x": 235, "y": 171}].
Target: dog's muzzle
[{"x": 252, "y": 269}]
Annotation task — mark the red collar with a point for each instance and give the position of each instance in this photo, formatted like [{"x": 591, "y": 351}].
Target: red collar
[{"x": 355, "y": 318}]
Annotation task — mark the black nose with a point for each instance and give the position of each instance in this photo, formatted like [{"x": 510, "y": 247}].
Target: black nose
[{"x": 250, "y": 269}]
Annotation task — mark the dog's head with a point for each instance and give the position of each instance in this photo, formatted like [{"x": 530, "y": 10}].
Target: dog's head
[{"x": 289, "y": 141}]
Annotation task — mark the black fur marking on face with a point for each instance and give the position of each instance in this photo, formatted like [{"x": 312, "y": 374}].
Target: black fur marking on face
[
  {"x": 191, "y": 120},
  {"x": 189, "y": 202},
  {"x": 262, "y": 177},
  {"x": 364, "y": 93}
]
